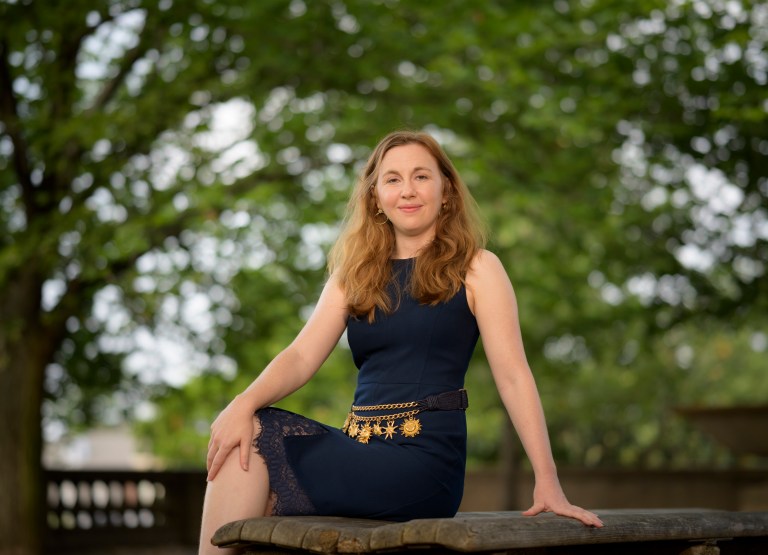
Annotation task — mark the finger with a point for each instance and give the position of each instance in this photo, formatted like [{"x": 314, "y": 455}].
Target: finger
[
  {"x": 591, "y": 519},
  {"x": 209, "y": 460},
  {"x": 586, "y": 517},
  {"x": 245, "y": 454},
  {"x": 222, "y": 455},
  {"x": 216, "y": 464},
  {"x": 209, "y": 457},
  {"x": 214, "y": 453},
  {"x": 212, "y": 429},
  {"x": 534, "y": 510},
  {"x": 212, "y": 439}
]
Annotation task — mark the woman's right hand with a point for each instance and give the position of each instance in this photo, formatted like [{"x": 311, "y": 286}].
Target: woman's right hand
[{"x": 233, "y": 428}]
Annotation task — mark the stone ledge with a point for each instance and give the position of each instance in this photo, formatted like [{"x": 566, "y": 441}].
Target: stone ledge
[{"x": 487, "y": 531}]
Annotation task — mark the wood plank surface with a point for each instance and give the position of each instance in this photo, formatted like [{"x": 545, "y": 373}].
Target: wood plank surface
[{"x": 488, "y": 531}]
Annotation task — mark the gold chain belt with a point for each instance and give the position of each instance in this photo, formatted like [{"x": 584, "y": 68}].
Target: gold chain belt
[{"x": 363, "y": 428}]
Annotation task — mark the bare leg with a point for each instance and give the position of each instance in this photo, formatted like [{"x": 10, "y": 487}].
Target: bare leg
[{"x": 233, "y": 495}]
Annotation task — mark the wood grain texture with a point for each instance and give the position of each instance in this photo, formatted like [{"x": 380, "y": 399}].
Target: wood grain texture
[{"x": 490, "y": 531}]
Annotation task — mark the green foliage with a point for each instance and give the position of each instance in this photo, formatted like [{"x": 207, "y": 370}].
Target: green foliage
[{"x": 617, "y": 151}]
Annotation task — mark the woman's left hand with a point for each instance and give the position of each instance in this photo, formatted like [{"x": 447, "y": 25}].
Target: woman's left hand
[{"x": 551, "y": 498}]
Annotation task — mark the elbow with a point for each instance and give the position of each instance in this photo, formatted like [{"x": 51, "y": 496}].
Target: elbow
[
  {"x": 511, "y": 378},
  {"x": 299, "y": 365}
]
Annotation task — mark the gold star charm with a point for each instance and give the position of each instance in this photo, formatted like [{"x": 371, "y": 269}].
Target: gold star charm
[
  {"x": 389, "y": 431},
  {"x": 353, "y": 430},
  {"x": 410, "y": 427},
  {"x": 377, "y": 429},
  {"x": 345, "y": 427},
  {"x": 364, "y": 435}
]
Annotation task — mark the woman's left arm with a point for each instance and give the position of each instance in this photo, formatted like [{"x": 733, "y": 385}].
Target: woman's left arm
[{"x": 493, "y": 302}]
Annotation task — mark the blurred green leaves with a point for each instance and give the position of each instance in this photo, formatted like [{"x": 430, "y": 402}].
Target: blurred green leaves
[{"x": 195, "y": 159}]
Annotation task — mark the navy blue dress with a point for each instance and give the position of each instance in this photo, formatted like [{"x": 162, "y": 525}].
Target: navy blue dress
[{"x": 415, "y": 351}]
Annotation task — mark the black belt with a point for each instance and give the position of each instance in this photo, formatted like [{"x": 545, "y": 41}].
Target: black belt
[
  {"x": 450, "y": 400},
  {"x": 363, "y": 428}
]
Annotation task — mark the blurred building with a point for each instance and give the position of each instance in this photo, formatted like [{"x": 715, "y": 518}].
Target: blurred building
[{"x": 105, "y": 448}]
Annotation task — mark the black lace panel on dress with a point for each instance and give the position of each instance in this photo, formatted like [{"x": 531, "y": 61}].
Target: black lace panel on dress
[{"x": 286, "y": 494}]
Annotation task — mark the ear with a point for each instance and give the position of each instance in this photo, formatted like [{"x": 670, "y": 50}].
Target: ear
[{"x": 375, "y": 195}]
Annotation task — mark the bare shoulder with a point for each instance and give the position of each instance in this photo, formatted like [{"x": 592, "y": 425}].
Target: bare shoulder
[
  {"x": 333, "y": 293},
  {"x": 486, "y": 265},
  {"x": 485, "y": 278},
  {"x": 333, "y": 284}
]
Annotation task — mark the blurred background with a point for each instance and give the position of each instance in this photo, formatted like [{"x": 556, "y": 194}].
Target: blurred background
[{"x": 173, "y": 173}]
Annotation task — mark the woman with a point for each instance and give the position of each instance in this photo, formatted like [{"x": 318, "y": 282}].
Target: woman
[{"x": 414, "y": 288}]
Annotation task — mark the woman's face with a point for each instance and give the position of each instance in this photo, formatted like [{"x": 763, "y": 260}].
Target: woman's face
[{"x": 410, "y": 191}]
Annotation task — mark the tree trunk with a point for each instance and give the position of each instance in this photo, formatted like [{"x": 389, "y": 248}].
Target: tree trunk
[
  {"x": 20, "y": 467},
  {"x": 25, "y": 348}
]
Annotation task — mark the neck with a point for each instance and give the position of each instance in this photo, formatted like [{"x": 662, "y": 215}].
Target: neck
[{"x": 407, "y": 247}]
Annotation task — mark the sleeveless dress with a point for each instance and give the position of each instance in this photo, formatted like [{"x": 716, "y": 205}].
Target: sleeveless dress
[{"x": 416, "y": 351}]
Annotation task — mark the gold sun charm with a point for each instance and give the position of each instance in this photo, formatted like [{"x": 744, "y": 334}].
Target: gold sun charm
[
  {"x": 410, "y": 427},
  {"x": 377, "y": 429},
  {"x": 365, "y": 433},
  {"x": 389, "y": 431},
  {"x": 353, "y": 430}
]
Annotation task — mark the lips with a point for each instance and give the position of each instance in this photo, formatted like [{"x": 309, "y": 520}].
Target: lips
[{"x": 409, "y": 208}]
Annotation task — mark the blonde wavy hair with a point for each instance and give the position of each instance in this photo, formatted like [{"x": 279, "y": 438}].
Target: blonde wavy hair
[{"x": 361, "y": 257}]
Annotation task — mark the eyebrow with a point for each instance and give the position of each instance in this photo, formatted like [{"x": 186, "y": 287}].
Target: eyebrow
[{"x": 416, "y": 169}]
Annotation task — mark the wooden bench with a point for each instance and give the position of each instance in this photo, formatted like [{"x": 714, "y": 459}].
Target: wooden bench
[{"x": 684, "y": 532}]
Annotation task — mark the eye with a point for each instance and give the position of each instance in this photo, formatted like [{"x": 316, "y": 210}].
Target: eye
[
  {"x": 391, "y": 180},
  {"x": 422, "y": 177}
]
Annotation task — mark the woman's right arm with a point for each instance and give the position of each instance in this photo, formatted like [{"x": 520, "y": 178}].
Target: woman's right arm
[{"x": 287, "y": 372}]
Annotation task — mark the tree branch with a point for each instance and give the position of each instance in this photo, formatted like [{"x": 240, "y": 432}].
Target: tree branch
[
  {"x": 146, "y": 38},
  {"x": 9, "y": 116},
  {"x": 78, "y": 297},
  {"x": 110, "y": 87}
]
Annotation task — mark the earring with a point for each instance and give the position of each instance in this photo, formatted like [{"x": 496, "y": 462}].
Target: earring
[{"x": 386, "y": 219}]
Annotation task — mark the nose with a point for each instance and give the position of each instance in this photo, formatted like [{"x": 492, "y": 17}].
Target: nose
[{"x": 407, "y": 191}]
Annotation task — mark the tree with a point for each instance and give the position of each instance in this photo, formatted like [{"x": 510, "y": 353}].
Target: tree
[
  {"x": 118, "y": 188},
  {"x": 104, "y": 162},
  {"x": 578, "y": 138}
]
